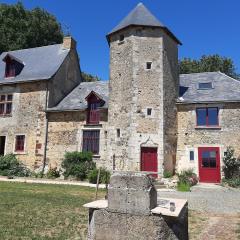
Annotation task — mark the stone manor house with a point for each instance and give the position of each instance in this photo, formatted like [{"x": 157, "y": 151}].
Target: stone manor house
[{"x": 147, "y": 117}]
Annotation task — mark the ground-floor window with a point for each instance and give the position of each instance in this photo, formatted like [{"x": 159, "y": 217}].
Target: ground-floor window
[
  {"x": 20, "y": 143},
  {"x": 91, "y": 141}
]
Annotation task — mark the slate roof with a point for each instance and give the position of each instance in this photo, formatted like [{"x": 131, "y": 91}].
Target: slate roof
[
  {"x": 39, "y": 63},
  {"x": 141, "y": 16},
  {"x": 225, "y": 88},
  {"x": 76, "y": 99}
]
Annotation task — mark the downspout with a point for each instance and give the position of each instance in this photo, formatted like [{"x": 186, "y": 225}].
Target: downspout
[{"x": 46, "y": 132}]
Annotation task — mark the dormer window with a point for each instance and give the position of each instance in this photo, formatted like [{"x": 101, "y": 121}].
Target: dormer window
[
  {"x": 93, "y": 113},
  {"x": 13, "y": 66},
  {"x": 205, "y": 85}
]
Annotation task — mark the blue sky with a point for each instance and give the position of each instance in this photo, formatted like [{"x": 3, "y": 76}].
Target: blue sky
[{"x": 203, "y": 26}]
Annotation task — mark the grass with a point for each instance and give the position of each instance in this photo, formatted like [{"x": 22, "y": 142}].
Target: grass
[
  {"x": 238, "y": 229},
  {"x": 39, "y": 211},
  {"x": 197, "y": 223},
  {"x": 35, "y": 211}
]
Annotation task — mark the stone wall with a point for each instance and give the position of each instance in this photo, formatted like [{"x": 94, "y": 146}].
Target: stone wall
[
  {"x": 28, "y": 118},
  {"x": 190, "y": 137},
  {"x": 65, "y": 135},
  {"x": 30, "y": 100},
  {"x": 170, "y": 95},
  {"x": 134, "y": 89}
]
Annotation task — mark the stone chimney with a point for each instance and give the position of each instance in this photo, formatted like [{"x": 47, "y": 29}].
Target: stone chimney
[{"x": 69, "y": 43}]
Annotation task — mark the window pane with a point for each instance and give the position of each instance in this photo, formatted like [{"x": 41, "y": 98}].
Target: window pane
[
  {"x": 91, "y": 141},
  {"x": 8, "y": 108},
  {"x": 2, "y": 99},
  {"x": 207, "y": 85},
  {"x": 191, "y": 155},
  {"x": 19, "y": 146},
  {"x": 205, "y": 158},
  {"x": 9, "y": 97},
  {"x": 1, "y": 108},
  {"x": 213, "y": 116},
  {"x": 201, "y": 116}
]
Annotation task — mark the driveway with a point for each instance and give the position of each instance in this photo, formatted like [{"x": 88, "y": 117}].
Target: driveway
[
  {"x": 214, "y": 212},
  {"x": 218, "y": 200}
]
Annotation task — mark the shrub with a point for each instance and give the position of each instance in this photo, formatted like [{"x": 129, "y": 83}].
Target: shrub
[
  {"x": 10, "y": 166},
  {"x": 53, "y": 173},
  {"x": 233, "y": 182},
  {"x": 104, "y": 176},
  {"x": 186, "y": 178},
  {"x": 231, "y": 166},
  {"x": 183, "y": 187},
  {"x": 77, "y": 164},
  {"x": 167, "y": 174}
]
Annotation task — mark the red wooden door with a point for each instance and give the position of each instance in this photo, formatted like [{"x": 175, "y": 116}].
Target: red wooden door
[
  {"x": 149, "y": 160},
  {"x": 209, "y": 164}
]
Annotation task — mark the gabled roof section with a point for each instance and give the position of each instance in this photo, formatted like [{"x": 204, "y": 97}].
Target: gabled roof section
[
  {"x": 40, "y": 63},
  {"x": 76, "y": 100},
  {"x": 224, "y": 88},
  {"x": 92, "y": 93},
  {"x": 8, "y": 55},
  {"x": 141, "y": 16}
]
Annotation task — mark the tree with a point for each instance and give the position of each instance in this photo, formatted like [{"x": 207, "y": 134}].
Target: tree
[
  {"x": 89, "y": 78},
  {"x": 21, "y": 28},
  {"x": 211, "y": 63}
]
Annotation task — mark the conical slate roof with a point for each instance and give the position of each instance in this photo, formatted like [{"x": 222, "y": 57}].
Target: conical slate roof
[{"x": 141, "y": 16}]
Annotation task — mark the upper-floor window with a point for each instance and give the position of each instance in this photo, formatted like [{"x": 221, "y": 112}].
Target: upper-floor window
[
  {"x": 93, "y": 111},
  {"x": 91, "y": 141},
  {"x": 6, "y": 104},
  {"x": 207, "y": 116},
  {"x": 13, "y": 67}
]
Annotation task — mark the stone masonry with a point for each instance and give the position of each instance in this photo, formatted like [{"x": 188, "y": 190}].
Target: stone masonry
[
  {"x": 190, "y": 137},
  {"x": 133, "y": 89},
  {"x": 131, "y": 212}
]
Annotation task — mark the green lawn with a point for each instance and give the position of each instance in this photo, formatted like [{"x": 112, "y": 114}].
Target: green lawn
[{"x": 38, "y": 211}]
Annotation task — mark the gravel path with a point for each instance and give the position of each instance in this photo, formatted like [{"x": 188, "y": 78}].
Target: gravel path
[{"x": 218, "y": 201}]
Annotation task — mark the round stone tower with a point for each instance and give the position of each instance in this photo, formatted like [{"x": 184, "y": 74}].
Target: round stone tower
[{"x": 143, "y": 90}]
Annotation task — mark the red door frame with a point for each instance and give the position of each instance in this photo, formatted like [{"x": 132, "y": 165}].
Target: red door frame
[
  {"x": 149, "y": 161},
  {"x": 209, "y": 174}
]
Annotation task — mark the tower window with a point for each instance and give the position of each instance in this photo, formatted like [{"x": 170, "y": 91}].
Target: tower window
[
  {"x": 121, "y": 38},
  {"x": 149, "y": 65},
  {"x": 149, "y": 111},
  {"x": 118, "y": 132}
]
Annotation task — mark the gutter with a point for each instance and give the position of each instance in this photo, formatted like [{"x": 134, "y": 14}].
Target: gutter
[
  {"x": 46, "y": 132},
  {"x": 208, "y": 102}
]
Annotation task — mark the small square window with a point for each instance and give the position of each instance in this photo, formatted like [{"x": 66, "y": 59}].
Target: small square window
[
  {"x": 121, "y": 38},
  {"x": 149, "y": 65},
  {"x": 149, "y": 111},
  {"x": 191, "y": 155}
]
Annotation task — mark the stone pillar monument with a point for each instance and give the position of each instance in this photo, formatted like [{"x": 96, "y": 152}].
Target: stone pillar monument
[{"x": 132, "y": 213}]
